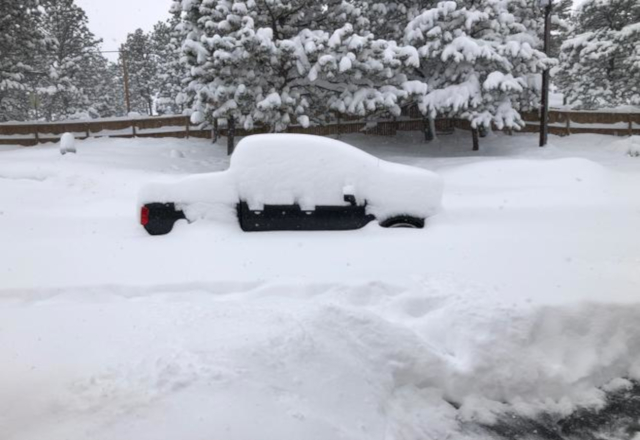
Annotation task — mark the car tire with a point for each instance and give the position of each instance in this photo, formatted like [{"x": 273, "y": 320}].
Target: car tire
[{"x": 403, "y": 221}]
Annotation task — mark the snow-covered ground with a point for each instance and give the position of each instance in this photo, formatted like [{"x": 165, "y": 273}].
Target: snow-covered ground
[{"x": 522, "y": 296}]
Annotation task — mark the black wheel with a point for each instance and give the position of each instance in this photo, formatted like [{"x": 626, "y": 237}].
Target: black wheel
[{"x": 403, "y": 221}]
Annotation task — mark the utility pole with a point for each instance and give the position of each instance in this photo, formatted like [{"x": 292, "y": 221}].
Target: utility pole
[{"x": 544, "y": 102}]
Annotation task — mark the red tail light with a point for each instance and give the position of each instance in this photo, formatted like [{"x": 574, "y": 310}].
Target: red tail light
[{"x": 144, "y": 216}]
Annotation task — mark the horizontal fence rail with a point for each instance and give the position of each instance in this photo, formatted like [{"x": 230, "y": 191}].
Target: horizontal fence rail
[{"x": 561, "y": 123}]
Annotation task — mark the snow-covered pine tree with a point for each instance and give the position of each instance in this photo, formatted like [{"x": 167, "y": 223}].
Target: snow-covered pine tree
[
  {"x": 22, "y": 41},
  {"x": 142, "y": 67},
  {"x": 166, "y": 42},
  {"x": 279, "y": 62},
  {"x": 106, "y": 95},
  {"x": 597, "y": 68},
  {"x": 561, "y": 24},
  {"x": 478, "y": 60},
  {"x": 75, "y": 62},
  {"x": 358, "y": 75},
  {"x": 236, "y": 69},
  {"x": 630, "y": 37}
]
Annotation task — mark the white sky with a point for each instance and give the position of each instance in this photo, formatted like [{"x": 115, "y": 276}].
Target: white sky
[{"x": 112, "y": 20}]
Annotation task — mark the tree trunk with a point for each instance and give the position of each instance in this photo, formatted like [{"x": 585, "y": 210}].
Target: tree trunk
[
  {"x": 429, "y": 135},
  {"x": 432, "y": 128},
  {"x": 231, "y": 133},
  {"x": 150, "y": 103},
  {"x": 214, "y": 131},
  {"x": 476, "y": 139}
]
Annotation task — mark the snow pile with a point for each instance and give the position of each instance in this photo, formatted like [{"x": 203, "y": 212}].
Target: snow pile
[
  {"x": 67, "y": 144},
  {"x": 176, "y": 154},
  {"x": 284, "y": 169},
  {"x": 290, "y": 361},
  {"x": 634, "y": 148}
]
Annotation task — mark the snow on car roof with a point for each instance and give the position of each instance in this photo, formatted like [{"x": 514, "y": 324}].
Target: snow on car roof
[{"x": 313, "y": 170}]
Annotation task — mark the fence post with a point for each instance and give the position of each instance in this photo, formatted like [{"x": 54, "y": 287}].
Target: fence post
[
  {"x": 568, "y": 116},
  {"x": 87, "y": 131},
  {"x": 133, "y": 127},
  {"x": 630, "y": 124},
  {"x": 37, "y": 136},
  {"x": 187, "y": 127},
  {"x": 475, "y": 139}
]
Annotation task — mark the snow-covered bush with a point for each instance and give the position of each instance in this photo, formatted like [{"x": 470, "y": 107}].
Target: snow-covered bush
[{"x": 634, "y": 148}]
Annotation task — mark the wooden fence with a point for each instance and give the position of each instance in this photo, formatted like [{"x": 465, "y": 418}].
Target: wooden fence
[
  {"x": 565, "y": 123},
  {"x": 29, "y": 134},
  {"x": 561, "y": 123}
]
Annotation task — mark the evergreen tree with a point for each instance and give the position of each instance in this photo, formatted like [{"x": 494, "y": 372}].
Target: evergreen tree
[
  {"x": 106, "y": 96},
  {"x": 357, "y": 74},
  {"x": 479, "y": 60},
  {"x": 561, "y": 24},
  {"x": 281, "y": 62},
  {"x": 22, "y": 42},
  {"x": 75, "y": 63},
  {"x": 143, "y": 69},
  {"x": 597, "y": 64},
  {"x": 166, "y": 41}
]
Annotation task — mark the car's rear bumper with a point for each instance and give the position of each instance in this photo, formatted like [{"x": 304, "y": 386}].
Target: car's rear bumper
[{"x": 159, "y": 218}]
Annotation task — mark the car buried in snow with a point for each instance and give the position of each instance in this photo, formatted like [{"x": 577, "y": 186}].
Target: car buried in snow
[{"x": 278, "y": 182}]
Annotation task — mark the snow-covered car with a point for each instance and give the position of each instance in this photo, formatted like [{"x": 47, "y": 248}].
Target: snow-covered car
[{"x": 296, "y": 182}]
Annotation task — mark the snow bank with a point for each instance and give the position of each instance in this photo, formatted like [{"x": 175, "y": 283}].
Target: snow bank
[
  {"x": 308, "y": 170},
  {"x": 634, "y": 147},
  {"x": 302, "y": 361}
]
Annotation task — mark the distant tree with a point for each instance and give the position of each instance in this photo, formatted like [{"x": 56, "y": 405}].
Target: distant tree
[
  {"x": 143, "y": 71},
  {"x": 22, "y": 41},
  {"x": 166, "y": 43},
  {"x": 106, "y": 97},
  {"x": 599, "y": 62},
  {"x": 75, "y": 63}
]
